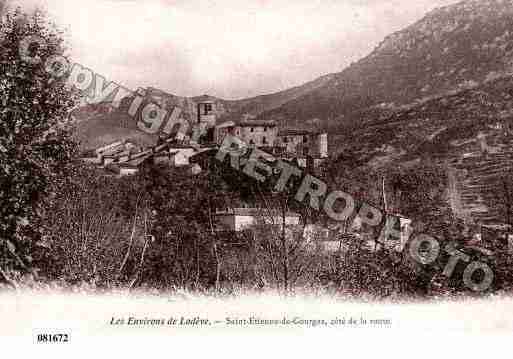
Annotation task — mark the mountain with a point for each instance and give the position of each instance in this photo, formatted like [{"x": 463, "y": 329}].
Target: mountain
[
  {"x": 468, "y": 132},
  {"x": 450, "y": 48},
  {"x": 99, "y": 124},
  {"x": 438, "y": 91},
  {"x": 261, "y": 104}
]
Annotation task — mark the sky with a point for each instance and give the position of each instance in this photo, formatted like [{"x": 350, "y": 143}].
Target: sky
[{"x": 230, "y": 49}]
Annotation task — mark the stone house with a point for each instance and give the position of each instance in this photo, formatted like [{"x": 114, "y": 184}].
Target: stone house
[
  {"x": 181, "y": 156},
  {"x": 239, "y": 219},
  {"x": 303, "y": 143},
  {"x": 259, "y": 133}
]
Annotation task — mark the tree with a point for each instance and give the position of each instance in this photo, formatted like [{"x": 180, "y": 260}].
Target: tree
[
  {"x": 185, "y": 252},
  {"x": 35, "y": 144}
]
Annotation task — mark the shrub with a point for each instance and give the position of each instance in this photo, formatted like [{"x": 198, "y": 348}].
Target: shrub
[{"x": 97, "y": 229}]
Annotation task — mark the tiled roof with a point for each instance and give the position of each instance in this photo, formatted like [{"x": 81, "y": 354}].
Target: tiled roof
[
  {"x": 226, "y": 124},
  {"x": 137, "y": 161},
  {"x": 141, "y": 154},
  {"x": 257, "y": 123},
  {"x": 256, "y": 212},
  {"x": 127, "y": 165}
]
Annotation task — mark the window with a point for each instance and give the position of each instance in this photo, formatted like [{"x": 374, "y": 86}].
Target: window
[
  {"x": 264, "y": 140},
  {"x": 207, "y": 108},
  {"x": 252, "y": 129},
  {"x": 305, "y": 139},
  {"x": 265, "y": 129},
  {"x": 251, "y": 142},
  {"x": 286, "y": 139}
]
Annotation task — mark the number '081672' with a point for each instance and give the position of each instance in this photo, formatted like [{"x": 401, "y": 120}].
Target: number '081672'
[{"x": 52, "y": 338}]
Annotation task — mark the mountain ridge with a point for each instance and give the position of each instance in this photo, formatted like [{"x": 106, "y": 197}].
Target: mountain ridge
[
  {"x": 453, "y": 47},
  {"x": 448, "y": 48}
]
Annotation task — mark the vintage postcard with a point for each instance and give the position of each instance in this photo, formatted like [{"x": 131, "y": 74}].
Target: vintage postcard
[{"x": 255, "y": 178}]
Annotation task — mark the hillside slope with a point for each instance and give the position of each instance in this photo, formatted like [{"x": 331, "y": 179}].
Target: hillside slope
[
  {"x": 451, "y": 47},
  {"x": 469, "y": 133},
  {"x": 100, "y": 123}
]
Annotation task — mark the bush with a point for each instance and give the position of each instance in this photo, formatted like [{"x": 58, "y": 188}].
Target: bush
[
  {"x": 362, "y": 273},
  {"x": 97, "y": 229}
]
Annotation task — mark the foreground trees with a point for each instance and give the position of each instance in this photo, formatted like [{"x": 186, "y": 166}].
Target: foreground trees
[{"x": 35, "y": 146}]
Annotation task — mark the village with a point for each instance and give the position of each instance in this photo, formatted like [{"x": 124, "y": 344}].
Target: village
[{"x": 307, "y": 148}]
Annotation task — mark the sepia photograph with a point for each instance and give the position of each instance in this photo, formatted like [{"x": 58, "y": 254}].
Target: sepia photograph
[{"x": 256, "y": 178}]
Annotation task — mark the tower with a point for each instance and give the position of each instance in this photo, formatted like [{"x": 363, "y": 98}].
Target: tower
[
  {"x": 322, "y": 143},
  {"x": 206, "y": 120},
  {"x": 207, "y": 113}
]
